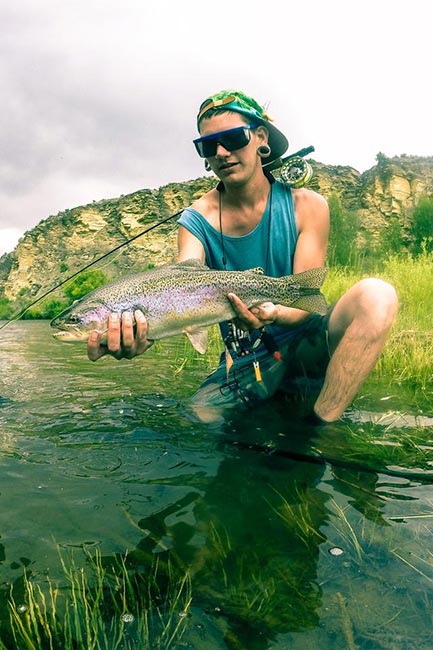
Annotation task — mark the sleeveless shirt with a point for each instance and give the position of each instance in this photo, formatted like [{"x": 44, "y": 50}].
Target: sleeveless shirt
[{"x": 270, "y": 245}]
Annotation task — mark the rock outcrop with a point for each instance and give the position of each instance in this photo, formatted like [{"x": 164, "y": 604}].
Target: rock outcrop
[{"x": 62, "y": 244}]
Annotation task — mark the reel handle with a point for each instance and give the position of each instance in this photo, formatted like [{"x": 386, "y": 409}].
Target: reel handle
[{"x": 279, "y": 162}]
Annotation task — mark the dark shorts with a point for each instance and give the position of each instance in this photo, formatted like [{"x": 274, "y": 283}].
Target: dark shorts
[{"x": 304, "y": 359}]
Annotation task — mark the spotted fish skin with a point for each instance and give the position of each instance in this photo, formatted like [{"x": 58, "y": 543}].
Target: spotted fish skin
[{"x": 186, "y": 297}]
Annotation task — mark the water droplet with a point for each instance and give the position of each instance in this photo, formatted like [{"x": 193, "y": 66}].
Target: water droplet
[
  {"x": 21, "y": 609},
  {"x": 127, "y": 618},
  {"x": 183, "y": 614}
]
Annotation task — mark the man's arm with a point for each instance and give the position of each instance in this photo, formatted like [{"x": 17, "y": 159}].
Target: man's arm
[
  {"x": 188, "y": 246},
  {"x": 312, "y": 220}
]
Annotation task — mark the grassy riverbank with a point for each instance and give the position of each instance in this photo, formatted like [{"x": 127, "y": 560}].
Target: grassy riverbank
[{"x": 408, "y": 354}]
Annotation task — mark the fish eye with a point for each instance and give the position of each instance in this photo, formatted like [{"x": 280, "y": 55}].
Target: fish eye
[{"x": 73, "y": 318}]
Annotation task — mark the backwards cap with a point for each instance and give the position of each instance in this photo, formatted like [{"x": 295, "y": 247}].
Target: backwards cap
[{"x": 239, "y": 102}]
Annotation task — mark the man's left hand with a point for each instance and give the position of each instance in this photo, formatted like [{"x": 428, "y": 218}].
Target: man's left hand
[{"x": 256, "y": 317}]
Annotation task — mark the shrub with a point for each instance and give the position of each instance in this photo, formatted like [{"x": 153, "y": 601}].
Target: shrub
[
  {"x": 5, "y": 308},
  {"x": 84, "y": 283},
  {"x": 422, "y": 226},
  {"x": 343, "y": 232}
]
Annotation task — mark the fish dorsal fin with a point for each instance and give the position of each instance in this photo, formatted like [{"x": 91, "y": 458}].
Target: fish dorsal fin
[
  {"x": 192, "y": 263},
  {"x": 198, "y": 338}
]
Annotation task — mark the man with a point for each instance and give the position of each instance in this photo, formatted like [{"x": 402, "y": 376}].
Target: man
[{"x": 249, "y": 220}]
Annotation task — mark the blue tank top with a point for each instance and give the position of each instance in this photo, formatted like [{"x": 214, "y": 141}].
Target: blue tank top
[{"x": 271, "y": 245}]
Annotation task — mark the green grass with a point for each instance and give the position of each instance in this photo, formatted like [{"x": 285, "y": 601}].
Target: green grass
[
  {"x": 407, "y": 357},
  {"x": 105, "y": 606},
  {"x": 412, "y": 278},
  {"x": 408, "y": 354}
]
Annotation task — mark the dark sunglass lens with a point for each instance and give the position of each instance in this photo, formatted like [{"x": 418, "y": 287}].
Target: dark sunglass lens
[
  {"x": 209, "y": 147},
  {"x": 205, "y": 148},
  {"x": 231, "y": 140},
  {"x": 236, "y": 139}
]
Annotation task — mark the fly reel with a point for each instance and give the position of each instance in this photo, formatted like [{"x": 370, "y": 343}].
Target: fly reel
[
  {"x": 293, "y": 170},
  {"x": 296, "y": 172}
]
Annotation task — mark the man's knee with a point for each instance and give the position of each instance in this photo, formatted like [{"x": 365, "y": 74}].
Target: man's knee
[
  {"x": 370, "y": 306},
  {"x": 377, "y": 303}
]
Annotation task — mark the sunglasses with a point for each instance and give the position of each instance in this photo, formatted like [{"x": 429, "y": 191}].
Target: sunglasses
[{"x": 231, "y": 140}]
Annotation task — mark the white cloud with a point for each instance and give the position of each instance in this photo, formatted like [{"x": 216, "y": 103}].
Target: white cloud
[{"x": 99, "y": 97}]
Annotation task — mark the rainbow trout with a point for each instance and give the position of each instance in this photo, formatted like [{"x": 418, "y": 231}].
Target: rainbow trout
[{"x": 186, "y": 298}]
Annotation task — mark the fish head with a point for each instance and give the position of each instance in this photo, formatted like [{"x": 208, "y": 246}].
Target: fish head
[{"x": 77, "y": 321}]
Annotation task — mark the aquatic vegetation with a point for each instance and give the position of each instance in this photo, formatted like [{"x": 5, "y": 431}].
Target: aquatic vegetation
[
  {"x": 105, "y": 607},
  {"x": 381, "y": 443},
  {"x": 345, "y": 529},
  {"x": 299, "y": 516},
  {"x": 274, "y": 550}
]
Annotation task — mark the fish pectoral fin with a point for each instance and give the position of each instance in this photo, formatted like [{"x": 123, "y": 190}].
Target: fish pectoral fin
[
  {"x": 257, "y": 270},
  {"x": 198, "y": 337}
]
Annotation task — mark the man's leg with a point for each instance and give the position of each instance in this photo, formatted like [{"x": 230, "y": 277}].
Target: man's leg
[{"x": 358, "y": 327}]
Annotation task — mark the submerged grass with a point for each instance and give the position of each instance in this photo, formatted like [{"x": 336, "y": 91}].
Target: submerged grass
[
  {"x": 105, "y": 607},
  {"x": 299, "y": 517},
  {"x": 108, "y": 606}
]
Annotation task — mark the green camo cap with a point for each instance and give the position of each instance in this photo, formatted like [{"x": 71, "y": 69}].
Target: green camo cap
[{"x": 239, "y": 102}]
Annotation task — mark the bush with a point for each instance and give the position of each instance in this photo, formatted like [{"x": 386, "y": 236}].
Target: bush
[
  {"x": 343, "y": 232},
  {"x": 392, "y": 237},
  {"x": 422, "y": 226},
  {"x": 5, "y": 308},
  {"x": 84, "y": 283},
  {"x": 47, "y": 309}
]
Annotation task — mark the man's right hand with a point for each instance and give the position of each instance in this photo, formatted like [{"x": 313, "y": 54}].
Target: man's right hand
[{"x": 122, "y": 342}]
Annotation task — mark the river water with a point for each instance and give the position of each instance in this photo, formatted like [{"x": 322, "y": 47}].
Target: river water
[{"x": 283, "y": 551}]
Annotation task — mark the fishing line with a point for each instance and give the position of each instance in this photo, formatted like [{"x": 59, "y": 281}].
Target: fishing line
[
  {"x": 21, "y": 313},
  {"x": 284, "y": 165},
  {"x": 327, "y": 460}
]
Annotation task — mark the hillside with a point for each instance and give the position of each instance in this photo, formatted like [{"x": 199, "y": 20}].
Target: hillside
[{"x": 62, "y": 244}]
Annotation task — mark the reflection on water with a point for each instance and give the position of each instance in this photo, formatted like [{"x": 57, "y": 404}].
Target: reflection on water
[{"x": 293, "y": 537}]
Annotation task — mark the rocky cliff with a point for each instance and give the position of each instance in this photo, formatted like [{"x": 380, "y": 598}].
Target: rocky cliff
[{"x": 62, "y": 244}]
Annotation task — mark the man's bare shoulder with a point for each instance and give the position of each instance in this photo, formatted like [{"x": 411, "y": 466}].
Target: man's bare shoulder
[
  {"x": 306, "y": 197},
  {"x": 311, "y": 209},
  {"x": 206, "y": 203}
]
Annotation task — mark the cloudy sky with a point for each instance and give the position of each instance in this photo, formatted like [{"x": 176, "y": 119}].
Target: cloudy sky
[{"x": 99, "y": 97}]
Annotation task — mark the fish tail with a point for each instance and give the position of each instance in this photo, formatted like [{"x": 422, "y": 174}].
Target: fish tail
[
  {"x": 315, "y": 302},
  {"x": 312, "y": 279},
  {"x": 303, "y": 290}
]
